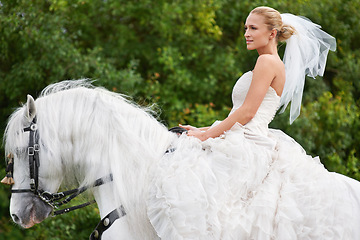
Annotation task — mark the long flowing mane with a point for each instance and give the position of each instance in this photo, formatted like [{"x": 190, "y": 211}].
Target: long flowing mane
[{"x": 88, "y": 132}]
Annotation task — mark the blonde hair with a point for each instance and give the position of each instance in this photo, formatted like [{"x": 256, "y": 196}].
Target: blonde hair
[{"x": 274, "y": 21}]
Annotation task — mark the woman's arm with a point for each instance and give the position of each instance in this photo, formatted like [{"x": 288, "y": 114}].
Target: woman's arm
[
  {"x": 263, "y": 75},
  {"x": 188, "y": 127}
]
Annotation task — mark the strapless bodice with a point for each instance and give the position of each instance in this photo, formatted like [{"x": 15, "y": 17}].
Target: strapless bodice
[{"x": 267, "y": 109}]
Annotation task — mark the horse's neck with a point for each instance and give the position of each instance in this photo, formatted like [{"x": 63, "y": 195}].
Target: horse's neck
[
  {"x": 126, "y": 145},
  {"x": 135, "y": 175},
  {"x": 132, "y": 173},
  {"x": 105, "y": 200}
]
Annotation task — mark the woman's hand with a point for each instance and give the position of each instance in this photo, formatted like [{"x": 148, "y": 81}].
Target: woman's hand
[
  {"x": 198, "y": 134},
  {"x": 189, "y": 128}
]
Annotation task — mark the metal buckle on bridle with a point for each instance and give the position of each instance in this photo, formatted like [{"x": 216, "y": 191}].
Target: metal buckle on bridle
[
  {"x": 33, "y": 127},
  {"x": 33, "y": 149},
  {"x": 47, "y": 197}
]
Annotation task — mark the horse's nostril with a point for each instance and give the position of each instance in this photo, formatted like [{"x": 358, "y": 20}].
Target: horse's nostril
[{"x": 15, "y": 218}]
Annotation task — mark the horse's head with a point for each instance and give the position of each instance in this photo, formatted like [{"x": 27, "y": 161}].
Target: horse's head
[{"x": 30, "y": 175}]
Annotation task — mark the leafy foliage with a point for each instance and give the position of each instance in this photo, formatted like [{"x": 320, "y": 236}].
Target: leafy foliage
[{"x": 185, "y": 56}]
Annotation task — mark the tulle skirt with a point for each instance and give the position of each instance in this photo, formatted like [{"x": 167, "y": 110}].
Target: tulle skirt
[{"x": 248, "y": 186}]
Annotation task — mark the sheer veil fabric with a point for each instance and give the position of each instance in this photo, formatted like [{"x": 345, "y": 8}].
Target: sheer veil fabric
[{"x": 305, "y": 54}]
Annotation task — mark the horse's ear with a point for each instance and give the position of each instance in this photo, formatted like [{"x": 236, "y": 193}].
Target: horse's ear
[{"x": 30, "y": 111}]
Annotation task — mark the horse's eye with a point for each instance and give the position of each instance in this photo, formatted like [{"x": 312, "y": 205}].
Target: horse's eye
[{"x": 19, "y": 151}]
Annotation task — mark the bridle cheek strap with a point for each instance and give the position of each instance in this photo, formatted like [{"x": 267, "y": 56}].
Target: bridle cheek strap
[
  {"x": 34, "y": 161},
  {"x": 33, "y": 154}
]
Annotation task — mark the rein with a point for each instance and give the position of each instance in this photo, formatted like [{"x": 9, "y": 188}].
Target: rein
[{"x": 54, "y": 199}]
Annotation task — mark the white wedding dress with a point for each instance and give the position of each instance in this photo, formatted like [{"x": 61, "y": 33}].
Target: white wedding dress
[{"x": 250, "y": 183}]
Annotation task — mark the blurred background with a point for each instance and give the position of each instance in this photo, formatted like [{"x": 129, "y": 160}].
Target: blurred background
[{"x": 183, "y": 56}]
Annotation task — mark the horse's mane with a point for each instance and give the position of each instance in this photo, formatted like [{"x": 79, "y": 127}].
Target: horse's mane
[
  {"x": 87, "y": 132},
  {"x": 16, "y": 119},
  {"x": 66, "y": 85},
  {"x": 88, "y": 84},
  {"x": 80, "y": 116}
]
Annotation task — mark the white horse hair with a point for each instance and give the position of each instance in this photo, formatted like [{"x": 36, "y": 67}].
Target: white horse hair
[{"x": 87, "y": 133}]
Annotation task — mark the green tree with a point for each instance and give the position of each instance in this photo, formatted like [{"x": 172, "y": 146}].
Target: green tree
[{"x": 185, "y": 56}]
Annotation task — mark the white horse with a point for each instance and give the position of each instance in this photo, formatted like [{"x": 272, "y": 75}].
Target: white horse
[
  {"x": 75, "y": 134},
  {"x": 84, "y": 134}
]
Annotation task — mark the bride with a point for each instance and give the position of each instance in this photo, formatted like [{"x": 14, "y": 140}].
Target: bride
[{"x": 249, "y": 181}]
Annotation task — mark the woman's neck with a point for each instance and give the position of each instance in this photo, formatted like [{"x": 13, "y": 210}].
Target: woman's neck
[{"x": 270, "y": 48}]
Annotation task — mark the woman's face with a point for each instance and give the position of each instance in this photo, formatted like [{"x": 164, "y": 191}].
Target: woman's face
[{"x": 257, "y": 34}]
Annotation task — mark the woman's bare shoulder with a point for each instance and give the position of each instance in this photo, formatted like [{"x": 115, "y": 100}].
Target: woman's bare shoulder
[
  {"x": 269, "y": 59},
  {"x": 271, "y": 64}
]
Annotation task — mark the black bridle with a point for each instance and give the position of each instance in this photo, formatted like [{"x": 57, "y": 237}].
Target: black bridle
[
  {"x": 34, "y": 162},
  {"x": 54, "y": 199}
]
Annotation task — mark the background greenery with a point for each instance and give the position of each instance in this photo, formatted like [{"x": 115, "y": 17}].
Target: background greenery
[{"x": 183, "y": 55}]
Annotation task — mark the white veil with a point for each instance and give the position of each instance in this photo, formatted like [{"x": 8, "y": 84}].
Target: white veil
[{"x": 305, "y": 54}]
